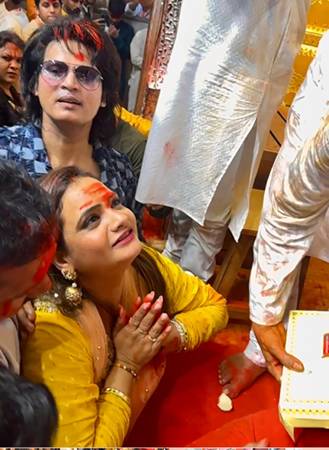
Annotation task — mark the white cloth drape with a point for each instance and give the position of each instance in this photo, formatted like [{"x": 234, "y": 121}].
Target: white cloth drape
[{"x": 228, "y": 71}]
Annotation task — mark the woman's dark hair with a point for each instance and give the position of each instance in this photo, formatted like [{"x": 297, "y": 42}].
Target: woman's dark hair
[
  {"x": 56, "y": 183},
  {"x": 103, "y": 56},
  {"x": 12, "y": 38},
  {"x": 28, "y": 414},
  {"x": 37, "y": 2},
  {"x": 27, "y": 221}
]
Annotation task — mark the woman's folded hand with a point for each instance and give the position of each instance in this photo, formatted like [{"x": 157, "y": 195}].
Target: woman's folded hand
[{"x": 139, "y": 340}]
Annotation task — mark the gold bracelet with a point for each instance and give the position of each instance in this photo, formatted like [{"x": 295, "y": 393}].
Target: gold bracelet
[
  {"x": 118, "y": 393},
  {"x": 182, "y": 333},
  {"x": 126, "y": 368}
]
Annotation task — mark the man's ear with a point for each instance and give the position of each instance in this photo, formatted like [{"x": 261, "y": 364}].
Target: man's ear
[{"x": 63, "y": 263}]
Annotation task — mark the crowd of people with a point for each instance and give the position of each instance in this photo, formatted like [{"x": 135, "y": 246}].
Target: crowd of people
[{"x": 88, "y": 311}]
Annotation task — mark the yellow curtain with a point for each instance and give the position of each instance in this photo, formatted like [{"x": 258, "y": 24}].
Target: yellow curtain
[{"x": 317, "y": 24}]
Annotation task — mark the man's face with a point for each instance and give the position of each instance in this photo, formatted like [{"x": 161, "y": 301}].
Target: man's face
[
  {"x": 26, "y": 281},
  {"x": 72, "y": 6}
]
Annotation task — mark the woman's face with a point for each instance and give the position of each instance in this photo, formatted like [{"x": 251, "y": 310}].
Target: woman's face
[
  {"x": 100, "y": 233},
  {"x": 49, "y": 10},
  {"x": 10, "y": 64},
  {"x": 66, "y": 100}
]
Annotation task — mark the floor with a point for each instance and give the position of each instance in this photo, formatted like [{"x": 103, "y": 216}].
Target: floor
[{"x": 184, "y": 408}]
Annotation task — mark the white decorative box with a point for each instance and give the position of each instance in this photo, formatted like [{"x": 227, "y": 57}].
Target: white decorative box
[{"x": 304, "y": 396}]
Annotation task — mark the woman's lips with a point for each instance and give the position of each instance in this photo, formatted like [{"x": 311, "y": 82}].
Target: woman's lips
[{"x": 125, "y": 238}]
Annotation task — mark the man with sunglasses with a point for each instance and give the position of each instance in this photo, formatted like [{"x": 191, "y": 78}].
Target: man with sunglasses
[{"x": 69, "y": 101}]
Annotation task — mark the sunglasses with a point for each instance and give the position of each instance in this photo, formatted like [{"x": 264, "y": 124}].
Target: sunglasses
[{"x": 53, "y": 72}]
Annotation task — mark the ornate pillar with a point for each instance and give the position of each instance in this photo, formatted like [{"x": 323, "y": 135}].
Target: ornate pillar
[{"x": 159, "y": 43}]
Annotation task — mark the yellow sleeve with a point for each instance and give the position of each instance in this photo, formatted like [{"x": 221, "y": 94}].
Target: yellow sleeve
[
  {"x": 196, "y": 305},
  {"x": 140, "y": 123},
  {"x": 58, "y": 354}
]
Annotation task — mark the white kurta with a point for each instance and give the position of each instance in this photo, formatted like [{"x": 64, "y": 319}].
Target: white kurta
[
  {"x": 137, "y": 47},
  {"x": 228, "y": 71},
  {"x": 295, "y": 218}
]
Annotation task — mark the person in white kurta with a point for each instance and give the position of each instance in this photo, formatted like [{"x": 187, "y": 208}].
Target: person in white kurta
[
  {"x": 227, "y": 74},
  {"x": 12, "y": 17},
  {"x": 295, "y": 220},
  {"x": 137, "y": 47}
]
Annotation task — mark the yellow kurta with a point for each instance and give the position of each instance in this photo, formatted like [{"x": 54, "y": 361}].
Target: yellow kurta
[
  {"x": 140, "y": 123},
  {"x": 59, "y": 355}
]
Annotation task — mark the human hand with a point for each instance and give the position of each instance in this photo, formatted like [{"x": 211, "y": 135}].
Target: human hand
[
  {"x": 149, "y": 298},
  {"x": 271, "y": 339},
  {"x": 113, "y": 31},
  {"x": 173, "y": 341},
  {"x": 138, "y": 341},
  {"x": 26, "y": 319},
  {"x": 100, "y": 21}
]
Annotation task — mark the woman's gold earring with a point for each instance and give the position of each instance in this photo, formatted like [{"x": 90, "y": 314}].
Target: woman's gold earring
[{"x": 72, "y": 294}]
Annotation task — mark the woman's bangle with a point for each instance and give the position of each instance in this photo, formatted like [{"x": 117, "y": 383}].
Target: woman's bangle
[
  {"x": 182, "y": 333},
  {"x": 126, "y": 368},
  {"x": 118, "y": 393}
]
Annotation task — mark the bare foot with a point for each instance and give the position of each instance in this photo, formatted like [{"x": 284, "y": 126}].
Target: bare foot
[{"x": 236, "y": 373}]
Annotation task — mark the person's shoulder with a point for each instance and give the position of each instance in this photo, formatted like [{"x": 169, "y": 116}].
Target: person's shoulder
[
  {"x": 15, "y": 134},
  {"x": 18, "y": 130},
  {"x": 50, "y": 315},
  {"x": 112, "y": 156}
]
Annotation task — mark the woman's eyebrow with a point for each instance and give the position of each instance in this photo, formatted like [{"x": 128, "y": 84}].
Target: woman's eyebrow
[{"x": 84, "y": 214}]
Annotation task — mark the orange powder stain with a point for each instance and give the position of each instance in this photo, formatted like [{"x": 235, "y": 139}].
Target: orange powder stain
[
  {"x": 99, "y": 192},
  {"x": 80, "y": 56}
]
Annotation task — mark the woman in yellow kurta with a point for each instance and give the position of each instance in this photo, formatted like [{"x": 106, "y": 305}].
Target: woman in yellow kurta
[{"x": 102, "y": 353}]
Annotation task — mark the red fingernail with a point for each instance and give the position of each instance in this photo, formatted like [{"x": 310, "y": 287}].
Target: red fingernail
[
  {"x": 149, "y": 297},
  {"x": 146, "y": 306},
  {"x": 159, "y": 302}
]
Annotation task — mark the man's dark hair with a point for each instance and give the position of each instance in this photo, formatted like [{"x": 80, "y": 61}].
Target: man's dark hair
[
  {"x": 12, "y": 38},
  {"x": 27, "y": 224},
  {"x": 117, "y": 8},
  {"x": 103, "y": 55},
  {"x": 28, "y": 414}
]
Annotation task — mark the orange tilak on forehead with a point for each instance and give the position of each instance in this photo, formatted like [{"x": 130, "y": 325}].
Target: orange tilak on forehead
[
  {"x": 80, "y": 56},
  {"x": 98, "y": 193}
]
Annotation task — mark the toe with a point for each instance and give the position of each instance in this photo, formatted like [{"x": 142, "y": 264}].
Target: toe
[{"x": 224, "y": 373}]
